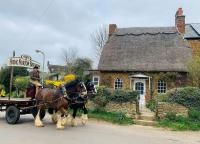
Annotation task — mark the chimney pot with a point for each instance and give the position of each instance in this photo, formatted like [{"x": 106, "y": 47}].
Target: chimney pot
[
  {"x": 180, "y": 21},
  {"x": 112, "y": 29}
]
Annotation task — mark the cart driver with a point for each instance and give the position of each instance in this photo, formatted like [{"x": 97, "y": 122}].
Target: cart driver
[{"x": 35, "y": 78}]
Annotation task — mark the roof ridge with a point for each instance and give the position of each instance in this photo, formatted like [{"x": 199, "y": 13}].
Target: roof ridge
[
  {"x": 145, "y": 33},
  {"x": 148, "y": 27}
]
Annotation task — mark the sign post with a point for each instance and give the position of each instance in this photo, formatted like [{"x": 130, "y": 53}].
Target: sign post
[
  {"x": 11, "y": 78},
  {"x": 23, "y": 61}
]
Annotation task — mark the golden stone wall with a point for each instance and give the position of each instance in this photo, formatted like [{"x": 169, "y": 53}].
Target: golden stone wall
[
  {"x": 195, "y": 45},
  {"x": 163, "y": 108}
]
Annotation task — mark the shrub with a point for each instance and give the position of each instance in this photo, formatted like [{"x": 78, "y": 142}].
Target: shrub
[
  {"x": 121, "y": 96},
  {"x": 188, "y": 97},
  {"x": 171, "y": 116},
  {"x": 21, "y": 84},
  {"x": 101, "y": 98},
  {"x": 194, "y": 114},
  {"x": 151, "y": 104}
]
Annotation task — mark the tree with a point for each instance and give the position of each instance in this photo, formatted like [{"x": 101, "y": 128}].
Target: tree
[
  {"x": 99, "y": 39},
  {"x": 20, "y": 84},
  {"x": 70, "y": 56},
  {"x": 82, "y": 65},
  {"x": 193, "y": 67},
  {"x": 5, "y": 75}
]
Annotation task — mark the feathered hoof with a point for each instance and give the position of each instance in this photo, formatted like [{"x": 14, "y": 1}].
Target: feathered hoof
[
  {"x": 73, "y": 122},
  {"x": 54, "y": 118},
  {"x": 39, "y": 124},
  {"x": 64, "y": 121},
  {"x": 60, "y": 127},
  {"x": 84, "y": 119}
]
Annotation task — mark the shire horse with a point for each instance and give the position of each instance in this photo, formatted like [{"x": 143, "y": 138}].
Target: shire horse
[
  {"x": 77, "y": 102},
  {"x": 56, "y": 99}
]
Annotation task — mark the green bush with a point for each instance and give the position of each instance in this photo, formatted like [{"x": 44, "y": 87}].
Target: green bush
[
  {"x": 171, "y": 116},
  {"x": 187, "y": 96},
  {"x": 21, "y": 83},
  {"x": 151, "y": 104},
  {"x": 121, "y": 96},
  {"x": 194, "y": 114},
  {"x": 101, "y": 98}
]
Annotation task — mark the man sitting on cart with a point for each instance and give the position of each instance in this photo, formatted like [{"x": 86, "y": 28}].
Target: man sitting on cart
[{"x": 35, "y": 78}]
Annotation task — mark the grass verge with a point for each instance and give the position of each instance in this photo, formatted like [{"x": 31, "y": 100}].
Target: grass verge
[
  {"x": 114, "y": 117},
  {"x": 180, "y": 124}
]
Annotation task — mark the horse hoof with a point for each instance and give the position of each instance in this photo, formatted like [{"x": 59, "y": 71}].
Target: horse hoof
[
  {"x": 60, "y": 127},
  {"x": 74, "y": 123},
  {"x": 64, "y": 121},
  {"x": 39, "y": 125},
  {"x": 84, "y": 119}
]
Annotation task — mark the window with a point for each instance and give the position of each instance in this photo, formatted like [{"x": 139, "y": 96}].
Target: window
[
  {"x": 162, "y": 86},
  {"x": 139, "y": 87},
  {"x": 118, "y": 84},
  {"x": 96, "y": 80}
]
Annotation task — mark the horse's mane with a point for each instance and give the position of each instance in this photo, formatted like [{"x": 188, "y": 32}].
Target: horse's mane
[{"x": 72, "y": 83}]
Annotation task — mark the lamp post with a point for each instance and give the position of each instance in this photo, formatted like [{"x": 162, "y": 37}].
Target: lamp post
[{"x": 39, "y": 51}]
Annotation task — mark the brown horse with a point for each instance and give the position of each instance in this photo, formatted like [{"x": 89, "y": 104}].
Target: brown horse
[{"x": 55, "y": 99}]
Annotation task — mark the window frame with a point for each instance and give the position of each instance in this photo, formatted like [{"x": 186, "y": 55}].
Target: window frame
[
  {"x": 117, "y": 88},
  {"x": 98, "y": 82},
  {"x": 161, "y": 87}
]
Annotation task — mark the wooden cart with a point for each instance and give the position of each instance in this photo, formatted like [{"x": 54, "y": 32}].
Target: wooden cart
[{"x": 18, "y": 106}]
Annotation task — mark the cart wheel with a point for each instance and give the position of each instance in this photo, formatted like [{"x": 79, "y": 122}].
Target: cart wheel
[
  {"x": 34, "y": 112},
  {"x": 12, "y": 114}
]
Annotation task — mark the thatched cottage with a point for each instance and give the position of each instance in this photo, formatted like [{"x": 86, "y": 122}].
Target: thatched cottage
[{"x": 150, "y": 60}]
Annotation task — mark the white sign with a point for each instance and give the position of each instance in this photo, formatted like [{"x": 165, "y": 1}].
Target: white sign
[{"x": 23, "y": 61}]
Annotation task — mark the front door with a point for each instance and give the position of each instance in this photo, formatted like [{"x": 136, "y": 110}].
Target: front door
[{"x": 139, "y": 85}]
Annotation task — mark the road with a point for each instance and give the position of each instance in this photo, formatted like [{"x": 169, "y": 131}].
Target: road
[{"x": 95, "y": 132}]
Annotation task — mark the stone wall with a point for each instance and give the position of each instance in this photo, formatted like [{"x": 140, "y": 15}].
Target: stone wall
[
  {"x": 163, "y": 108},
  {"x": 195, "y": 45},
  {"x": 128, "y": 108}
]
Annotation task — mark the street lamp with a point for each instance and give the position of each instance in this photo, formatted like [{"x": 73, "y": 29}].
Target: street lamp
[{"x": 39, "y": 51}]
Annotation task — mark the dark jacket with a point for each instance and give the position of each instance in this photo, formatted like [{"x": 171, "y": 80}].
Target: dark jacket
[{"x": 35, "y": 75}]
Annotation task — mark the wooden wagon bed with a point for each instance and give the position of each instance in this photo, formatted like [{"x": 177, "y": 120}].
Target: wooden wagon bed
[{"x": 4, "y": 101}]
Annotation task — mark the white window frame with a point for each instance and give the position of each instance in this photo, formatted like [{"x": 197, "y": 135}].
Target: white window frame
[
  {"x": 96, "y": 81},
  {"x": 117, "y": 88},
  {"x": 161, "y": 89}
]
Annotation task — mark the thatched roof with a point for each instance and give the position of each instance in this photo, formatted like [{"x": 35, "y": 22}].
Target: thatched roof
[{"x": 145, "y": 49}]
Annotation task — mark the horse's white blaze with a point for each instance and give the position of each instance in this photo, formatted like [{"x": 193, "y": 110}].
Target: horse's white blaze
[
  {"x": 38, "y": 122},
  {"x": 74, "y": 122},
  {"x": 85, "y": 92},
  {"x": 84, "y": 118}
]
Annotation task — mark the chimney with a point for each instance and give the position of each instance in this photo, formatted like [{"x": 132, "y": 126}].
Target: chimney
[
  {"x": 180, "y": 21},
  {"x": 112, "y": 29}
]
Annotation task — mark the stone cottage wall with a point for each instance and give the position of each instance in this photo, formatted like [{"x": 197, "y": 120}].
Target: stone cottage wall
[
  {"x": 195, "y": 45},
  {"x": 128, "y": 108},
  {"x": 163, "y": 108}
]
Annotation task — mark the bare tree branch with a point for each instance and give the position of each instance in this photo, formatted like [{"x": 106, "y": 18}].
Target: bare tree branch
[
  {"x": 99, "y": 39},
  {"x": 70, "y": 55}
]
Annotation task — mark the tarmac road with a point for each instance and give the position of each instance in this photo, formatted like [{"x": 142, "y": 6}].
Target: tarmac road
[{"x": 95, "y": 132}]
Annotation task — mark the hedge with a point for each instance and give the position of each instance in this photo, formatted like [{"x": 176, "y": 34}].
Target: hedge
[
  {"x": 105, "y": 95},
  {"x": 187, "y": 96}
]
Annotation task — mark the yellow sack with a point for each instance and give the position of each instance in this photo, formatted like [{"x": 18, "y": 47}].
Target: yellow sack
[
  {"x": 3, "y": 93},
  {"x": 69, "y": 77}
]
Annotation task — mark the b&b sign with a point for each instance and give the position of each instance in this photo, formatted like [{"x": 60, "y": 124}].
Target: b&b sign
[{"x": 23, "y": 61}]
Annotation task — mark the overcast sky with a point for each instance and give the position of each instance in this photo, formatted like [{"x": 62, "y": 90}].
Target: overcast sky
[{"x": 53, "y": 25}]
